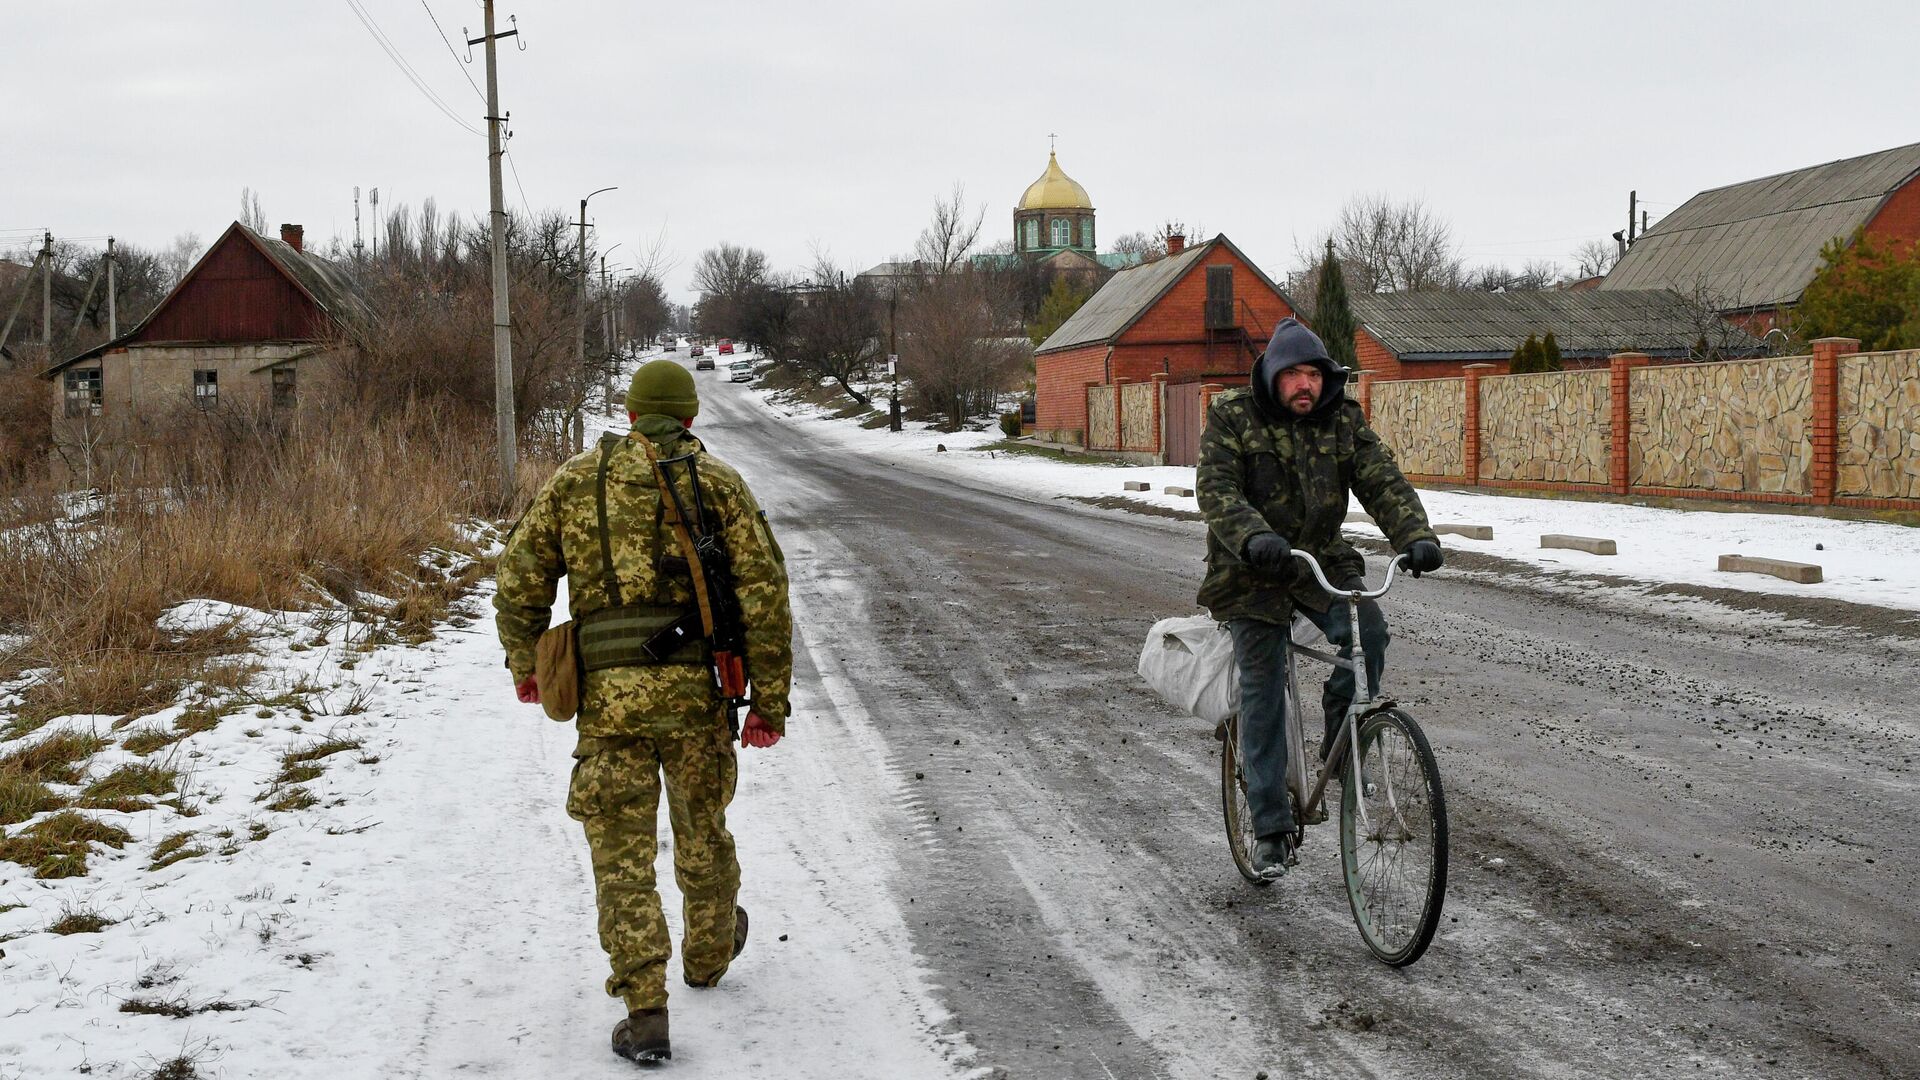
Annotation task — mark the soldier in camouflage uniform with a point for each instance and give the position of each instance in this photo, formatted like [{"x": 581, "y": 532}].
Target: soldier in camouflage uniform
[
  {"x": 1276, "y": 463},
  {"x": 644, "y": 721}
]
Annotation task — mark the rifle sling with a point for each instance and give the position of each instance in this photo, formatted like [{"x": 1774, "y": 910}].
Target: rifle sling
[
  {"x": 670, "y": 504},
  {"x": 609, "y": 579}
]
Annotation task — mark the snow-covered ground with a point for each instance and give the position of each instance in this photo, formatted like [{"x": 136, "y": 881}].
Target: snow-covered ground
[
  {"x": 1866, "y": 562},
  {"x": 432, "y": 912}
]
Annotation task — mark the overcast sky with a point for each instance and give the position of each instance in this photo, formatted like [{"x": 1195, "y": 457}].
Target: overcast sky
[{"x": 837, "y": 124}]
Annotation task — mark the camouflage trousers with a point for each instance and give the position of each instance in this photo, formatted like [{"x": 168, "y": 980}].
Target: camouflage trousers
[{"x": 615, "y": 794}]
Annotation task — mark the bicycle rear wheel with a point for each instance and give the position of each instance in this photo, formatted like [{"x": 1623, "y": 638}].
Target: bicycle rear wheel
[
  {"x": 1233, "y": 803},
  {"x": 1393, "y": 838}
]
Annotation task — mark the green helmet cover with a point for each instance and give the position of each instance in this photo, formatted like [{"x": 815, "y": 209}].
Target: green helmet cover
[{"x": 664, "y": 387}]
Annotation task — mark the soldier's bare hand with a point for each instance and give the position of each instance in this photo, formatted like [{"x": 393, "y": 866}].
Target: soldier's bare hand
[
  {"x": 529, "y": 691},
  {"x": 755, "y": 732}
]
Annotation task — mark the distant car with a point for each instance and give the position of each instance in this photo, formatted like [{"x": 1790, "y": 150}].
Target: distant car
[
  {"x": 740, "y": 371},
  {"x": 705, "y": 363},
  {"x": 697, "y": 350},
  {"x": 726, "y": 346}
]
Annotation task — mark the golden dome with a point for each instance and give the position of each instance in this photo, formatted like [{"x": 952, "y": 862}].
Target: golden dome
[{"x": 1055, "y": 190}]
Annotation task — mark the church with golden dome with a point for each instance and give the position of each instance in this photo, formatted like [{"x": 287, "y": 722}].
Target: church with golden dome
[{"x": 1053, "y": 224}]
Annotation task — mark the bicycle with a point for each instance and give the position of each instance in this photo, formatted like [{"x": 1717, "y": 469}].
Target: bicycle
[{"x": 1393, "y": 815}]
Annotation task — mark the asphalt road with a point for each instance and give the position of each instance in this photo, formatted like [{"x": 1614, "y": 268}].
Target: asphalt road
[{"x": 1682, "y": 829}]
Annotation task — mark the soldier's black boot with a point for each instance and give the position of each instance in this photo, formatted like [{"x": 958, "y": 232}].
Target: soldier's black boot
[{"x": 642, "y": 1037}]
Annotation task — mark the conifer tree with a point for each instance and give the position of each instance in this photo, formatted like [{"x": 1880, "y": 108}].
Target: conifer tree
[
  {"x": 1527, "y": 358},
  {"x": 1550, "y": 354},
  {"x": 1332, "y": 315}
]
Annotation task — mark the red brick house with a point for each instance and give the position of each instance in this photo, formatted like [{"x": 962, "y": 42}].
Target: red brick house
[
  {"x": 1200, "y": 315},
  {"x": 1752, "y": 248}
]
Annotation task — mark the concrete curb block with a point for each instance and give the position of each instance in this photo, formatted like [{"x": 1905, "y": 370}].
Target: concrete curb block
[
  {"x": 1184, "y": 493},
  {"x": 1471, "y": 532},
  {"x": 1797, "y": 572},
  {"x": 1135, "y": 485},
  {"x": 1592, "y": 545}
]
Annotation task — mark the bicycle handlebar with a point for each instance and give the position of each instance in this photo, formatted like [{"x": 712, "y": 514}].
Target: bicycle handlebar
[{"x": 1393, "y": 569}]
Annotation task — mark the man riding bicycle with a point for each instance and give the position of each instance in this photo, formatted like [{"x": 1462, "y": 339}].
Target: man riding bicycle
[{"x": 1276, "y": 464}]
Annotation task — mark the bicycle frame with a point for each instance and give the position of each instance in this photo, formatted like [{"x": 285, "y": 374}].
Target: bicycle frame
[{"x": 1363, "y": 702}]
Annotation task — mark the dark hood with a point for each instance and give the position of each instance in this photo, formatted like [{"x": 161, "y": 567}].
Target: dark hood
[{"x": 1294, "y": 344}]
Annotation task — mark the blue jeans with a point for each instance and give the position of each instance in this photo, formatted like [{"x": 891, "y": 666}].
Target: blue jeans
[{"x": 1260, "y": 649}]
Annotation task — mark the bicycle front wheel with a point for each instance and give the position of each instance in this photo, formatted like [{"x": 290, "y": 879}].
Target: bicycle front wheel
[
  {"x": 1393, "y": 838},
  {"x": 1233, "y": 803}
]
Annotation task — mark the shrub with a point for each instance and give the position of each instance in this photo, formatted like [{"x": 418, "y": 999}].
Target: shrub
[{"x": 1010, "y": 424}]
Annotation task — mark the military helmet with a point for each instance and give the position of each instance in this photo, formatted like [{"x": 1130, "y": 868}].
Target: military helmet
[{"x": 664, "y": 387}]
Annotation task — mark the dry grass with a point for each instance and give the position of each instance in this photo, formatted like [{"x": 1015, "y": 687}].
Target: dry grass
[
  {"x": 57, "y": 847},
  {"x": 146, "y": 740},
  {"x": 60, "y": 758},
  {"x": 79, "y": 919},
  {"x": 22, "y": 796},
  {"x": 132, "y": 781},
  {"x": 293, "y": 798},
  {"x": 173, "y": 849}
]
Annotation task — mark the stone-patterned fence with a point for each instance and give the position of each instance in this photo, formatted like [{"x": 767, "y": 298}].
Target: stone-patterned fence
[
  {"x": 1739, "y": 425},
  {"x": 1835, "y": 428},
  {"x": 1103, "y": 418},
  {"x": 1878, "y": 441},
  {"x": 1140, "y": 416},
  {"x": 1425, "y": 422},
  {"x": 1552, "y": 427}
]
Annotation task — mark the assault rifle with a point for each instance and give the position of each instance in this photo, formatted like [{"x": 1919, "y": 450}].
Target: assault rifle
[{"x": 712, "y": 566}]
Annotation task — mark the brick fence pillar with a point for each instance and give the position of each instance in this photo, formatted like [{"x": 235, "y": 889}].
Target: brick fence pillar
[
  {"x": 1471, "y": 374},
  {"x": 1827, "y": 352},
  {"x": 1159, "y": 413},
  {"x": 1208, "y": 391},
  {"x": 1363, "y": 393},
  {"x": 1619, "y": 376}
]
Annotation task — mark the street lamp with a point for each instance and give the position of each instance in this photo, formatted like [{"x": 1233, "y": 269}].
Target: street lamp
[{"x": 580, "y": 315}]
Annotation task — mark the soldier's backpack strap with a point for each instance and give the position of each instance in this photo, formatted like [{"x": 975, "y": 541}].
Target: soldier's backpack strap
[
  {"x": 609, "y": 578},
  {"x": 670, "y": 505}
]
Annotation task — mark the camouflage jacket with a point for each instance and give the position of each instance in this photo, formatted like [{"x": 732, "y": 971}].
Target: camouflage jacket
[
  {"x": 559, "y": 535},
  {"x": 1291, "y": 476}
]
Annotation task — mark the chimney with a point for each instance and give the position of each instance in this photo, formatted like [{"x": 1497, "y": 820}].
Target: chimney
[
  {"x": 294, "y": 236},
  {"x": 1176, "y": 243}
]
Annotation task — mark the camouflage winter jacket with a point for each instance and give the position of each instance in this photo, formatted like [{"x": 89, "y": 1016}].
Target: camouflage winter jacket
[
  {"x": 559, "y": 535},
  {"x": 1262, "y": 470}
]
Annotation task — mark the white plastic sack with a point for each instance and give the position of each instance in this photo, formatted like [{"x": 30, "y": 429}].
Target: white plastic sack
[{"x": 1189, "y": 662}]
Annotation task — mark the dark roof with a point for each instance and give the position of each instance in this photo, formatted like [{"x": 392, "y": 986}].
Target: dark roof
[
  {"x": 1128, "y": 295},
  {"x": 327, "y": 285},
  {"x": 1756, "y": 244},
  {"x": 1489, "y": 325}
]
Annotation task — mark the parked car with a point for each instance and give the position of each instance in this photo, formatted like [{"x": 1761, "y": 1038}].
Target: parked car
[
  {"x": 740, "y": 371},
  {"x": 670, "y": 344},
  {"x": 726, "y": 346}
]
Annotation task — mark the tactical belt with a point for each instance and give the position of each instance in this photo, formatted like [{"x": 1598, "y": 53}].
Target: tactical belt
[
  {"x": 640, "y": 634},
  {"x": 633, "y": 635}
]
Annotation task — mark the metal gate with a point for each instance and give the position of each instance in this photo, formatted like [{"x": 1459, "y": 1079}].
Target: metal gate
[{"x": 1180, "y": 411}]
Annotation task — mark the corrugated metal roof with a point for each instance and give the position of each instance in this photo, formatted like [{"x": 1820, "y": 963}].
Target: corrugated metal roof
[
  {"x": 1476, "y": 325},
  {"x": 1757, "y": 243},
  {"x": 1121, "y": 300},
  {"x": 328, "y": 284}
]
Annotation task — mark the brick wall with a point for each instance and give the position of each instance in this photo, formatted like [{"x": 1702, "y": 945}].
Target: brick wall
[
  {"x": 1899, "y": 219},
  {"x": 1060, "y": 391}
]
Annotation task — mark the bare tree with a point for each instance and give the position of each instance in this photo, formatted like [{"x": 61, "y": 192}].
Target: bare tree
[
  {"x": 952, "y": 233},
  {"x": 835, "y": 327},
  {"x": 725, "y": 276},
  {"x": 250, "y": 213},
  {"x": 1383, "y": 246},
  {"x": 1536, "y": 274},
  {"x": 1595, "y": 258}
]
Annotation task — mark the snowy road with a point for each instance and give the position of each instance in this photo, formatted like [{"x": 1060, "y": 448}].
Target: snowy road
[{"x": 1682, "y": 831}]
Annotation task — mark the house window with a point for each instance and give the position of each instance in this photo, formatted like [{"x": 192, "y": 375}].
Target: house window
[
  {"x": 283, "y": 388},
  {"x": 1033, "y": 233},
  {"x": 206, "y": 389},
  {"x": 1086, "y": 233},
  {"x": 83, "y": 391},
  {"x": 1062, "y": 232}
]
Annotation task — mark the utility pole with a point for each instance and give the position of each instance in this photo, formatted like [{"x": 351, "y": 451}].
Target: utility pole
[
  {"x": 607, "y": 324},
  {"x": 113, "y": 310},
  {"x": 580, "y": 314},
  {"x": 374, "y": 200},
  {"x": 26, "y": 289},
  {"x": 356, "y": 230},
  {"x": 46, "y": 296},
  {"x": 893, "y": 353},
  {"x": 1633, "y": 212},
  {"x": 502, "y": 316}
]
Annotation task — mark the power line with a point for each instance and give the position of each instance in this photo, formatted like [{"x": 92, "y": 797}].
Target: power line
[
  {"x": 455, "y": 55},
  {"x": 508, "y": 154},
  {"x": 393, "y": 53}
]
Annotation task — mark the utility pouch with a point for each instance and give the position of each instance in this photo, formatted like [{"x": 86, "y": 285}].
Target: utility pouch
[
  {"x": 556, "y": 670},
  {"x": 636, "y": 635}
]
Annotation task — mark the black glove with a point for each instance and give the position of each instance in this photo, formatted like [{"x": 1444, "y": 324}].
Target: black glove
[
  {"x": 1423, "y": 556},
  {"x": 1269, "y": 551}
]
